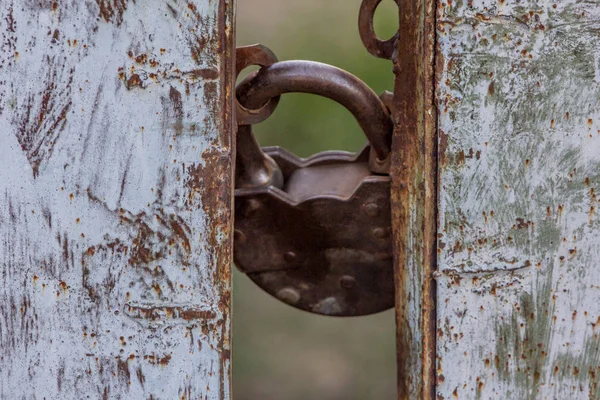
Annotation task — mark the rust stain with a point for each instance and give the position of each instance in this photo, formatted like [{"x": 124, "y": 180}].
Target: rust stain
[
  {"x": 164, "y": 360},
  {"x": 203, "y": 74},
  {"x": 140, "y": 375},
  {"x": 522, "y": 224},
  {"x": 44, "y": 117},
  {"x": 141, "y": 58},
  {"x": 211, "y": 95},
  {"x": 63, "y": 286},
  {"x": 206, "y": 181},
  {"x": 134, "y": 81},
  {"x": 112, "y": 10},
  {"x": 155, "y": 236},
  {"x": 172, "y": 114},
  {"x": 155, "y": 313},
  {"x": 9, "y": 43},
  {"x": 443, "y": 148},
  {"x": 158, "y": 360},
  {"x": 181, "y": 233},
  {"x": 123, "y": 369},
  {"x": 460, "y": 158},
  {"x": 197, "y": 45},
  {"x": 153, "y": 72},
  {"x": 201, "y": 40}
]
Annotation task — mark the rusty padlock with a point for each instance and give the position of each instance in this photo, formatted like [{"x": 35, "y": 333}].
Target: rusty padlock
[{"x": 315, "y": 232}]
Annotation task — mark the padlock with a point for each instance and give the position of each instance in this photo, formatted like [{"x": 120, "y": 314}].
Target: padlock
[{"x": 316, "y": 232}]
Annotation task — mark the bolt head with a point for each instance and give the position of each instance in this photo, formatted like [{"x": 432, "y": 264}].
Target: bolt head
[
  {"x": 252, "y": 206},
  {"x": 347, "y": 282},
  {"x": 328, "y": 306},
  {"x": 290, "y": 256},
  {"x": 289, "y": 295},
  {"x": 372, "y": 209},
  {"x": 380, "y": 233},
  {"x": 239, "y": 237}
]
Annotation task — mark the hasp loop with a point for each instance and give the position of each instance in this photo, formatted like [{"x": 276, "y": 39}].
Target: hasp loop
[
  {"x": 377, "y": 47},
  {"x": 246, "y": 56}
]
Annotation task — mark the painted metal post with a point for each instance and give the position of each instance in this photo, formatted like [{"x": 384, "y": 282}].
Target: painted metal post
[
  {"x": 115, "y": 199},
  {"x": 518, "y": 283}
]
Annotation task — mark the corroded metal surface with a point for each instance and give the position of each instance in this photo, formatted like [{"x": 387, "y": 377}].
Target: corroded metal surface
[
  {"x": 323, "y": 244},
  {"x": 314, "y": 232},
  {"x": 414, "y": 198},
  {"x": 300, "y": 76},
  {"x": 519, "y": 152},
  {"x": 115, "y": 199},
  {"x": 257, "y": 55},
  {"x": 366, "y": 28}
]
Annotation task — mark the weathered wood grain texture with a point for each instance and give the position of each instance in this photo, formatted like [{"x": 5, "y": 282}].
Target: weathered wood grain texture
[
  {"x": 115, "y": 199},
  {"x": 519, "y": 152},
  {"x": 414, "y": 198}
]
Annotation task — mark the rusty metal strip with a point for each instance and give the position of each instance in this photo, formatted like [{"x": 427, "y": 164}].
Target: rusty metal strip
[
  {"x": 225, "y": 173},
  {"x": 413, "y": 171}
]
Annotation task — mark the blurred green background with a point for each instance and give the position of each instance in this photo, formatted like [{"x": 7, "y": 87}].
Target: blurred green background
[{"x": 279, "y": 352}]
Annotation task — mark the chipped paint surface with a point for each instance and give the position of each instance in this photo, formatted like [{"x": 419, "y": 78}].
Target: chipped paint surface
[
  {"x": 518, "y": 284},
  {"x": 115, "y": 199}
]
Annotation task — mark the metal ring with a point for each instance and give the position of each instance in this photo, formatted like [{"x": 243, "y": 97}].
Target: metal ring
[
  {"x": 375, "y": 46},
  {"x": 245, "y": 56},
  {"x": 249, "y": 116},
  {"x": 327, "y": 81}
]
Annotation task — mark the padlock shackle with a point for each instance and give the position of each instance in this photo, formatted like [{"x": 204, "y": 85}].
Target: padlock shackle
[{"x": 324, "y": 80}]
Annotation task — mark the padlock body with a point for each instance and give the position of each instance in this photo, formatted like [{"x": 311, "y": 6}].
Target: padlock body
[{"x": 323, "y": 243}]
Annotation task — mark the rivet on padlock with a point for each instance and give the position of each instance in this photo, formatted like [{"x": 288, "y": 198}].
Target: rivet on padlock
[{"x": 316, "y": 232}]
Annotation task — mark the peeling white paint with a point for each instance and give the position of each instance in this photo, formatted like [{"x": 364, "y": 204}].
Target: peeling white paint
[
  {"x": 517, "y": 293},
  {"x": 114, "y": 277}
]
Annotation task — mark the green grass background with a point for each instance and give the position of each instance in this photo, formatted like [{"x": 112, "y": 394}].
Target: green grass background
[{"x": 279, "y": 352}]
